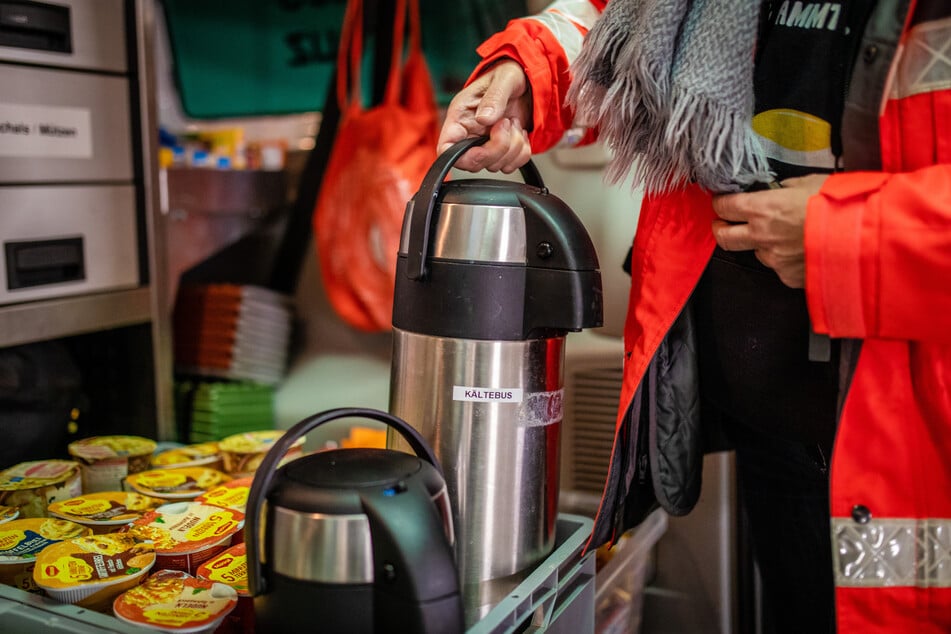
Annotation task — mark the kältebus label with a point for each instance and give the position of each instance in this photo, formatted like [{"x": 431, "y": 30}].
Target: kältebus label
[{"x": 486, "y": 394}]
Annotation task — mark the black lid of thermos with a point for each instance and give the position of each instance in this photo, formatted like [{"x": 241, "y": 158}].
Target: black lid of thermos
[{"x": 553, "y": 286}]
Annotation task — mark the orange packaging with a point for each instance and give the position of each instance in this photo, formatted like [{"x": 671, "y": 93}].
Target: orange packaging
[
  {"x": 231, "y": 568},
  {"x": 230, "y": 495},
  {"x": 106, "y": 511},
  {"x": 243, "y": 453},
  {"x": 180, "y": 483},
  {"x": 93, "y": 570},
  {"x": 186, "y": 534},
  {"x": 174, "y": 601},
  {"x": 20, "y": 542},
  {"x": 32, "y": 486},
  {"x": 204, "y": 454},
  {"x": 8, "y": 513},
  {"x": 107, "y": 460}
]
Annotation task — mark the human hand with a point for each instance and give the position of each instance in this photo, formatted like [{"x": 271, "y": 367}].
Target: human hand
[
  {"x": 498, "y": 104},
  {"x": 770, "y": 223}
]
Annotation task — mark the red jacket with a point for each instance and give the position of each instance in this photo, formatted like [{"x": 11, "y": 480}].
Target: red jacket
[{"x": 878, "y": 270}]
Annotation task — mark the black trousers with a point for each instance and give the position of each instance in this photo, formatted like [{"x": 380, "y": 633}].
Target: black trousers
[
  {"x": 776, "y": 408},
  {"x": 784, "y": 497}
]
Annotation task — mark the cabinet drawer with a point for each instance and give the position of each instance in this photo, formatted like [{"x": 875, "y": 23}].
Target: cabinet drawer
[
  {"x": 86, "y": 34},
  {"x": 62, "y": 126},
  {"x": 64, "y": 240}
]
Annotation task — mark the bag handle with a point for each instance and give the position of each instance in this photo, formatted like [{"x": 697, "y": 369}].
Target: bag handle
[
  {"x": 394, "y": 85},
  {"x": 350, "y": 53},
  {"x": 415, "y": 28},
  {"x": 394, "y": 78}
]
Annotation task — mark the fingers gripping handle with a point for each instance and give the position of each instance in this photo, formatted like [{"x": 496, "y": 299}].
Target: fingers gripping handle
[{"x": 424, "y": 202}]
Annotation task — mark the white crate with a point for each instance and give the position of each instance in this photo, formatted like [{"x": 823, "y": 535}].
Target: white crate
[
  {"x": 623, "y": 570},
  {"x": 619, "y": 584}
]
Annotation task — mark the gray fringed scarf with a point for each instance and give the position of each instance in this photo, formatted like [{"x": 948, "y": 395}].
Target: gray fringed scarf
[{"x": 670, "y": 83}]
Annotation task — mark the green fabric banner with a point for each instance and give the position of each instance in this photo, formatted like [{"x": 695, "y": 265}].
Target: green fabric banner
[{"x": 239, "y": 58}]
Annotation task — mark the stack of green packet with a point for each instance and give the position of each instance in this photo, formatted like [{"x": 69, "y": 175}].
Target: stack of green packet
[{"x": 222, "y": 409}]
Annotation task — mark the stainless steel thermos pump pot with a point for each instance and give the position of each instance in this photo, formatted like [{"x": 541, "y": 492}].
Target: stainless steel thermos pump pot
[
  {"x": 352, "y": 540},
  {"x": 490, "y": 277}
]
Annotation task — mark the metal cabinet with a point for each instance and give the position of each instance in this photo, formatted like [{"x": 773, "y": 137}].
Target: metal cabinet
[{"x": 82, "y": 240}]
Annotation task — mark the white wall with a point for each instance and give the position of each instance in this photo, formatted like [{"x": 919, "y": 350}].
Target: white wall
[{"x": 608, "y": 212}]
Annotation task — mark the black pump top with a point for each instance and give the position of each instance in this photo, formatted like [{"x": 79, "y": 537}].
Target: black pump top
[{"x": 555, "y": 290}]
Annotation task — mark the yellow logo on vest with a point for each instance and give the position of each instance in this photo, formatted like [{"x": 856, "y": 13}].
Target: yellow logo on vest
[{"x": 795, "y": 137}]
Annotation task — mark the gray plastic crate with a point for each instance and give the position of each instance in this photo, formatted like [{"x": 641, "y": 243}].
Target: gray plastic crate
[
  {"x": 558, "y": 596},
  {"x": 26, "y": 613}
]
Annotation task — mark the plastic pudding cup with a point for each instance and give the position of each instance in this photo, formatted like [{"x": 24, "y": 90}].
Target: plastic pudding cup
[
  {"x": 243, "y": 453},
  {"x": 8, "y": 513},
  {"x": 106, "y": 511},
  {"x": 178, "y": 483},
  {"x": 21, "y": 541},
  {"x": 230, "y": 495},
  {"x": 231, "y": 568},
  {"x": 206, "y": 454},
  {"x": 107, "y": 460},
  {"x": 173, "y": 601},
  {"x": 186, "y": 534},
  {"x": 32, "y": 486},
  {"x": 92, "y": 571}
]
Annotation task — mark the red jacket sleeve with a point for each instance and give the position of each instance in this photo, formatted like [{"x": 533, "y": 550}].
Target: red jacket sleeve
[
  {"x": 878, "y": 255},
  {"x": 545, "y": 45}
]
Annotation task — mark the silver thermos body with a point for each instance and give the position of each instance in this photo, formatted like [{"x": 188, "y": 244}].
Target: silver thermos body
[{"x": 491, "y": 276}]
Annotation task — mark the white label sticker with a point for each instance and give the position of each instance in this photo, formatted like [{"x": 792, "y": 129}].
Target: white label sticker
[
  {"x": 47, "y": 131},
  {"x": 486, "y": 394}
]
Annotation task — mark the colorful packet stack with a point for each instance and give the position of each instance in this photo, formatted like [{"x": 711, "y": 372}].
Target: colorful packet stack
[
  {"x": 232, "y": 331},
  {"x": 216, "y": 410}
]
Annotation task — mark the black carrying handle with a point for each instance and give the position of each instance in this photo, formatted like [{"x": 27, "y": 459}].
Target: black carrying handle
[
  {"x": 421, "y": 224},
  {"x": 264, "y": 475}
]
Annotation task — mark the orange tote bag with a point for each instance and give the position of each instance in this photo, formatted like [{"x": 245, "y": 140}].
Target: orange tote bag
[{"x": 378, "y": 160}]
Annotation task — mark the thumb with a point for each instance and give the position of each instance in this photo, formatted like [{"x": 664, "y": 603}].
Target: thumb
[{"x": 451, "y": 133}]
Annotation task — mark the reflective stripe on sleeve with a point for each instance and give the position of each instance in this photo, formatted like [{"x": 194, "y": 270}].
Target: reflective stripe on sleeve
[
  {"x": 925, "y": 62},
  {"x": 892, "y": 552},
  {"x": 568, "y": 20}
]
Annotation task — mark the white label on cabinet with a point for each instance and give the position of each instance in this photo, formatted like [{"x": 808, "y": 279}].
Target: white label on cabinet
[
  {"x": 486, "y": 394},
  {"x": 45, "y": 131}
]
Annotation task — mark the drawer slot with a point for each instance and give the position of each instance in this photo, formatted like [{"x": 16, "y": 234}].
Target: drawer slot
[
  {"x": 35, "y": 25},
  {"x": 41, "y": 262}
]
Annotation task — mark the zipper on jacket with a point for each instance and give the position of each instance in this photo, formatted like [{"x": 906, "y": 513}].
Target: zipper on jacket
[
  {"x": 643, "y": 471},
  {"x": 819, "y": 457}
]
